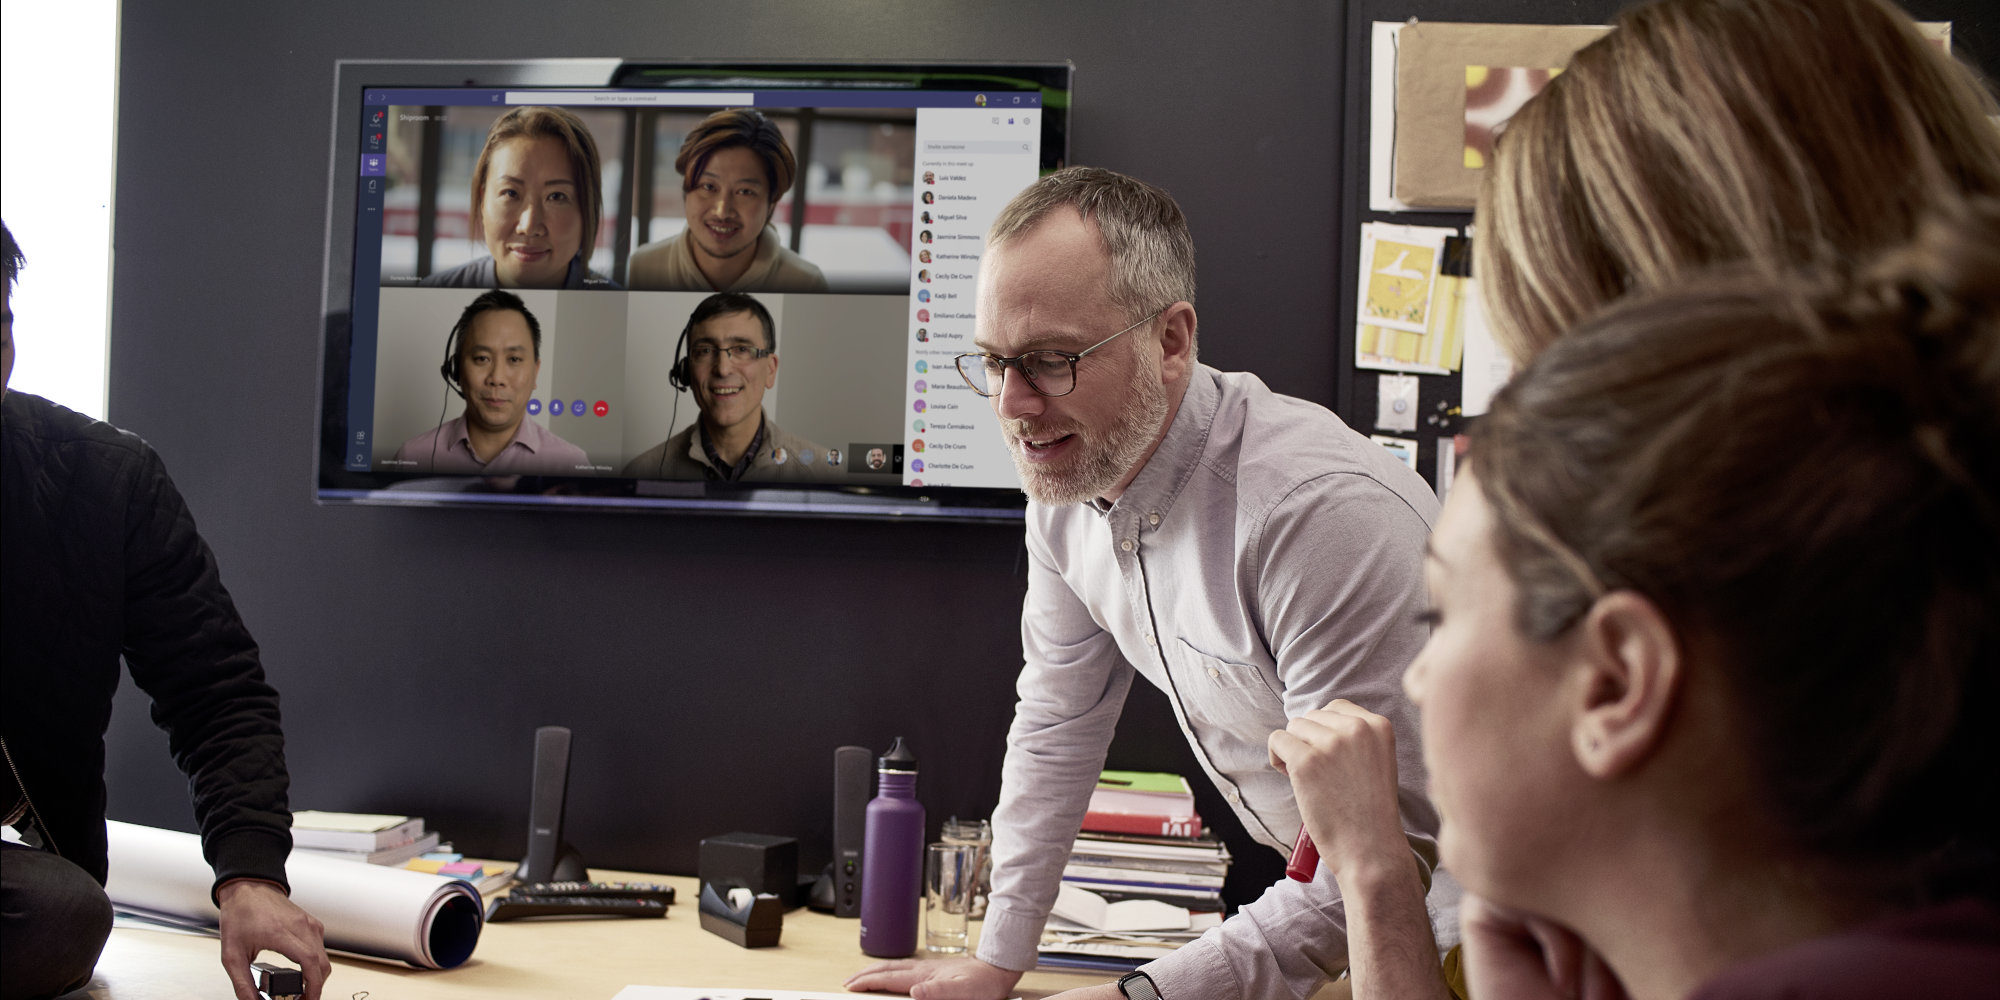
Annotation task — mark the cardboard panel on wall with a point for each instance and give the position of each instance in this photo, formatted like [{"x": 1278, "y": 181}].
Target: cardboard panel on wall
[{"x": 1431, "y": 85}]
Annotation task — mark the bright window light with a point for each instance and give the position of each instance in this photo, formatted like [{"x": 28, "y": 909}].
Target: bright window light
[{"x": 58, "y": 112}]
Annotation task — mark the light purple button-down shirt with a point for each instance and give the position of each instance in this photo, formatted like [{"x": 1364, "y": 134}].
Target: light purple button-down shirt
[
  {"x": 1266, "y": 560},
  {"x": 535, "y": 451}
]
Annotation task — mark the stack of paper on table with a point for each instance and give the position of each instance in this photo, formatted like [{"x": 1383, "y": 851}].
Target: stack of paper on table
[
  {"x": 487, "y": 877},
  {"x": 1136, "y": 930},
  {"x": 1184, "y": 871}
]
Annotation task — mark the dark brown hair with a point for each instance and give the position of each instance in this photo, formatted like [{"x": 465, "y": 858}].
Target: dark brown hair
[
  {"x": 745, "y": 127},
  {"x": 1776, "y": 133},
  {"x": 565, "y": 127},
  {"x": 1808, "y": 484}
]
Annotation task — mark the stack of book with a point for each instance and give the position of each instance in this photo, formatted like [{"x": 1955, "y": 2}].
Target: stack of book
[
  {"x": 1143, "y": 878},
  {"x": 370, "y": 837},
  {"x": 397, "y": 841}
]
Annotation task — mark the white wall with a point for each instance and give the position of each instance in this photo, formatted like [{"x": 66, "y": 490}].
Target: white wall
[{"x": 58, "y": 78}]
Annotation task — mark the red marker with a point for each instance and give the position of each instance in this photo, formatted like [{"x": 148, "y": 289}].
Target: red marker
[{"x": 1305, "y": 858}]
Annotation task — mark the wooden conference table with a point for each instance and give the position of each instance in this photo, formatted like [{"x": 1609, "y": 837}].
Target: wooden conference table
[{"x": 588, "y": 959}]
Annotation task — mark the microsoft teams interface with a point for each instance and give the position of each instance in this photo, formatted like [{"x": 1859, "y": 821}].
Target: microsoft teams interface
[{"x": 864, "y": 259}]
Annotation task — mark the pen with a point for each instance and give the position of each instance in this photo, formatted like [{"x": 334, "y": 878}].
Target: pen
[{"x": 1305, "y": 858}]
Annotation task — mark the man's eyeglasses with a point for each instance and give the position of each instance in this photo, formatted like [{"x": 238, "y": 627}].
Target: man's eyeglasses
[
  {"x": 1051, "y": 373},
  {"x": 705, "y": 353}
]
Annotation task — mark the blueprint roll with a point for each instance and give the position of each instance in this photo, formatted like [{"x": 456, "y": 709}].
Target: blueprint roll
[{"x": 429, "y": 921}]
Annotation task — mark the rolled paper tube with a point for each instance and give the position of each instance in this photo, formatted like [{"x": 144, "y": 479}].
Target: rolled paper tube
[{"x": 428, "y": 921}]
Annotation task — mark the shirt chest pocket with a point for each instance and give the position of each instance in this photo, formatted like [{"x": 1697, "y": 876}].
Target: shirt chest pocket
[{"x": 1197, "y": 672}]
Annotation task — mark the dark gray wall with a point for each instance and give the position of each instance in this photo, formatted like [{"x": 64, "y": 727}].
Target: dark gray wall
[{"x": 708, "y": 665}]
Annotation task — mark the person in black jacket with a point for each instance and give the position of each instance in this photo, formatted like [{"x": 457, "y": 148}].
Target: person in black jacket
[{"x": 101, "y": 559}]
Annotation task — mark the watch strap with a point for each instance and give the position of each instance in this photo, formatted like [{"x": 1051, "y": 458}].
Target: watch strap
[{"x": 1138, "y": 986}]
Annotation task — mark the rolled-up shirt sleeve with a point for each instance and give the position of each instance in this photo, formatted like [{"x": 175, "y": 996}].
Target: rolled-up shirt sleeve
[{"x": 1072, "y": 687}]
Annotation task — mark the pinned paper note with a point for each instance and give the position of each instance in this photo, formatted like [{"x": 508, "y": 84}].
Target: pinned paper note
[
  {"x": 1408, "y": 313},
  {"x": 1398, "y": 274},
  {"x": 1405, "y": 449},
  {"x": 1396, "y": 403},
  {"x": 1487, "y": 367}
]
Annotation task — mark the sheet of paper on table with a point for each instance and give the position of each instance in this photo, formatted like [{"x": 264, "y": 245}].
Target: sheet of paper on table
[{"x": 733, "y": 993}]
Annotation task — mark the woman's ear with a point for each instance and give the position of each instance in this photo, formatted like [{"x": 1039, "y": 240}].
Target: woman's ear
[{"x": 1631, "y": 673}]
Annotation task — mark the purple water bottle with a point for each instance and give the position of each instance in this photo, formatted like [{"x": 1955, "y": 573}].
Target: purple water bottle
[{"x": 892, "y": 857}]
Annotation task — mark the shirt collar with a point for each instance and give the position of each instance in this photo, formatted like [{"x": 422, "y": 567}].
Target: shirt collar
[
  {"x": 527, "y": 434},
  {"x": 715, "y": 463},
  {"x": 1154, "y": 489}
]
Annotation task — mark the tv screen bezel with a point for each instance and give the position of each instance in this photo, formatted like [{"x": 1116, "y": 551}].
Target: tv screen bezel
[{"x": 336, "y": 484}]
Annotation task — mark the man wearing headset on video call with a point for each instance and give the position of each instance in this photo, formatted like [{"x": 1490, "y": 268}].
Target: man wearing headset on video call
[
  {"x": 493, "y": 356},
  {"x": 729, "y": 359}
]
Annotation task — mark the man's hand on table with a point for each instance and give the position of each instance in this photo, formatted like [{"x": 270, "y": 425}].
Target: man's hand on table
[
  {"x": 940, "y": 979},
  {"x": 1102, "y": 991},
  {"x": 257, "y": 916}
]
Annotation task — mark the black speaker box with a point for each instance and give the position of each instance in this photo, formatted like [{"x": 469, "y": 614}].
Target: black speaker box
[
  {"x": 853, "y": 783},
  {"x": 549, "y": 857}
]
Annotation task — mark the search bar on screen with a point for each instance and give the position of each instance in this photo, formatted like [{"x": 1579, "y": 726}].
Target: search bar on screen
[
  {"x": 627, "y": 98},
  {"x": 934, "y": 147}
]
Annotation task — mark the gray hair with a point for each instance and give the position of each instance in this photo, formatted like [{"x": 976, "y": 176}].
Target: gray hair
[{"x": 1143, "y": 231}]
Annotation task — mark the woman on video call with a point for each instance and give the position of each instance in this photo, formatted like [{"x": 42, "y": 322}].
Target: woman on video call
[{"x": 536, "y": 203}]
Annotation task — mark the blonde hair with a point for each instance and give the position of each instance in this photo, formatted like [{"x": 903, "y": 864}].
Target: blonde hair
[{"x": 1771, "y": 133}]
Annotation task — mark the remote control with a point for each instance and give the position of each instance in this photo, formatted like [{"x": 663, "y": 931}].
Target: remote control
[
  {"x": 515, "y": 906},
  {"x": 599, "y": 890}
]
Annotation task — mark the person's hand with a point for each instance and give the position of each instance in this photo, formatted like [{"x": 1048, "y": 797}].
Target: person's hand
[
  {"x": 1522, "y": 956},
  {"x": 936, "y": 979},
  {"x": 258, "y": 916},
  {"x": 1342, "y": 762}
]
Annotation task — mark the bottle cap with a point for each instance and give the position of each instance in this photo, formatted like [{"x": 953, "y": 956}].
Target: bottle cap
[{"x": 899, "y": 758}]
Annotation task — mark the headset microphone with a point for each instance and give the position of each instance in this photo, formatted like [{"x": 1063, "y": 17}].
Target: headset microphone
[
  {"x": 449, "y": 369},
  {"x": 679, "y": 376}
]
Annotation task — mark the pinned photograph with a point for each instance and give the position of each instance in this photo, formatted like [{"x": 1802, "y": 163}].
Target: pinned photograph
[
  {"x": 1405, "y": 449},
  {"x": 1411, "y": 296}
]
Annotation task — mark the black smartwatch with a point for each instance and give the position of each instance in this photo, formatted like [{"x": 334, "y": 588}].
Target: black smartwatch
[{"x": 1138, "y": 986}]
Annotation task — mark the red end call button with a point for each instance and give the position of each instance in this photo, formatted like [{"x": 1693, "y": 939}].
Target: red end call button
[{"x": 602, "y": 408}]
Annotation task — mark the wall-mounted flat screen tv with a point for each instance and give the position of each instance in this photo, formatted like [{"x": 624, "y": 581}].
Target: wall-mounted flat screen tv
[{"x": 670, "y": 286}]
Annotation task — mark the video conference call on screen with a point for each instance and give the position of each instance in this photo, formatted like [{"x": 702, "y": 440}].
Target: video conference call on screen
[{"x": 846, "y": 230}]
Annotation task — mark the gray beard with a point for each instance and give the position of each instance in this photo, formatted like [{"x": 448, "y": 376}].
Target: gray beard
[{"x": 1106, "y": 459}]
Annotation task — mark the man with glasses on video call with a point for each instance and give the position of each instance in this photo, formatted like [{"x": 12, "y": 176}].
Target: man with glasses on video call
[
  {"x": 1277, "y": 552},
  {"x": 731, "y": 360}
]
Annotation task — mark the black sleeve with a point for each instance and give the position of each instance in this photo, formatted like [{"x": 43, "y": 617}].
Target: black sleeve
[{"x": 188, "y": 649}]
